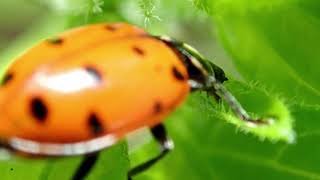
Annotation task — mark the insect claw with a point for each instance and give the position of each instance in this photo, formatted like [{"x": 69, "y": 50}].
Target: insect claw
[{"x": 259, "y": 122}]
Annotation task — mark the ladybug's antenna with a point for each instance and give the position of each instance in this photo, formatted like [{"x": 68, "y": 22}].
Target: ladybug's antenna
[{"x": 214, "y": 81}]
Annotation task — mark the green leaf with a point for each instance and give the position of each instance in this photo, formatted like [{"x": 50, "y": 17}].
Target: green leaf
[
  {"x": 206, "y": 147},
  {"x": 265, "y": 105},
  {"x": 275, "y": 43}
]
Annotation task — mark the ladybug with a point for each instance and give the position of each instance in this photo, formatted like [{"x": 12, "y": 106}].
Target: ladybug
[{"x": 85, "y": 89}]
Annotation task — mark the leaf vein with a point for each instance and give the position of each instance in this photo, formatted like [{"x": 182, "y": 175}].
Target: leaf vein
[{"x": 270, "y": 163}]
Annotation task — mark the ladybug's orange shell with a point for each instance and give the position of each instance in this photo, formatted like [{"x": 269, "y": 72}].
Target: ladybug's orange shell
[{"x": 138, "y": 80}]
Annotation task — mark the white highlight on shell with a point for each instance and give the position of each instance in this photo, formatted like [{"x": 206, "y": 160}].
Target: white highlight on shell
[
  {"x": 65, "y": 149},
  {"x": 67, "y": 82}
]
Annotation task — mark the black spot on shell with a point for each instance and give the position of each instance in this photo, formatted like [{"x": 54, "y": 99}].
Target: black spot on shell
[
  {"x": 94, "y": 72},
  {"x": 7, "y": 78},
  {"x": 112, "y": 27},
  {"x": 157, "y": 107},
  {"x": 138, "y": 51},
  {"x": 177, "y": 74},
  {"x": 56, "y": 41},
  {"x": 38, "y": 109},
  {"x": 95, "y": 124}
]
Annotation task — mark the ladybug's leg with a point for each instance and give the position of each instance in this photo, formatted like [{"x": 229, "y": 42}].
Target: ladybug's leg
[
  {"x": 196, "y": 86},
  {"x": 218, "y": 89},
  {"x": 86, "y": 165},
  {"x": 166, "y": 145}
]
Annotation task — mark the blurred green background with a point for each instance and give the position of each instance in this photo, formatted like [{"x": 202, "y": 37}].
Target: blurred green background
[
  {"x": 270, "y": 51},
  {"x": 16, "y": 17}
]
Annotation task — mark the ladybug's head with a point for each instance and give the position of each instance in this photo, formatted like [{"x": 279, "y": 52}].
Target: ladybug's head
[
  {"x": 199, "y": 68},
  {"x": 218, "y": 72}
]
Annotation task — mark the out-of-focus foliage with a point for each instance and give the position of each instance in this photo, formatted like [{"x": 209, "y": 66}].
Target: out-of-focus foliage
[
  {"x": 13, "y": 20},
  {"x": 273, "y": 44}
]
